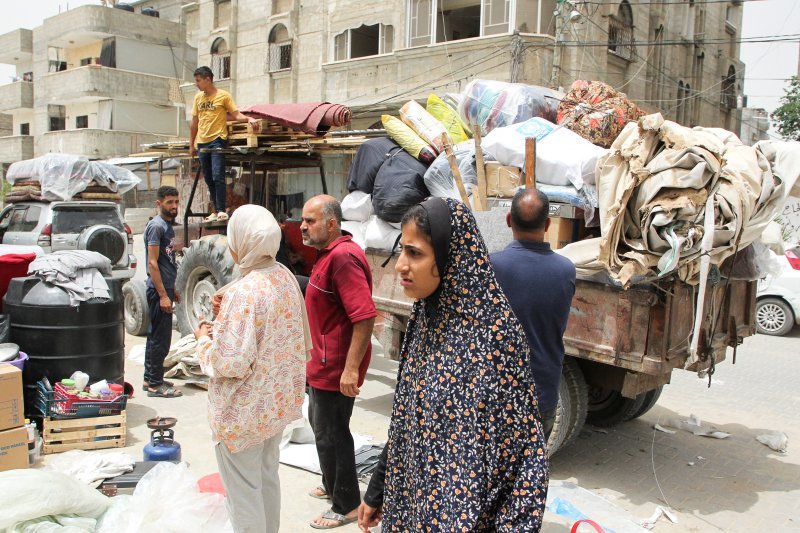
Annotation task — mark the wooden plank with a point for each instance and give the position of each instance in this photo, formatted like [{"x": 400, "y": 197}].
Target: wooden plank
[
  {"x": 82, "y": 433},
  {"x": 94, "y": 445},
  {"x": 84, "y": 422},
  {"x": 451, "y": 158},
  {"x": 530, "y": 163},
  {"x": 480, "y": 196}
]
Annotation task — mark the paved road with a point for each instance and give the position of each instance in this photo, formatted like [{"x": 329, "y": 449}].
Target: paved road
[{"x": 739, "y": 484}]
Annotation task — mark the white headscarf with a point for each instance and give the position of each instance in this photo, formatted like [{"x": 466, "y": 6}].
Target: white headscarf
[{"x": 255, "y": 237}]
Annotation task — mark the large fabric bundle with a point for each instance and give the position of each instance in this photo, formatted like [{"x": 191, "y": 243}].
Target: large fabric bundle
[
  {"x": 427, "y": 127},
  {"x": 398, "y": 185},
  {"x": 64, "y": 176},
  {"x": 596, "y": 111},
  {"x": 494, "y": 104},
  {"x": 315, "y": 118},
  {"x": 368, "y": 160},
  {"x": 562, "y": 156},
  {"x": 670, "y": 194},
  {"x": 406, "y": 137}
]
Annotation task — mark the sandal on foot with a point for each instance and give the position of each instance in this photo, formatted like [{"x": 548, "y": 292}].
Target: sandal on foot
[
  {"x": 146, "y": 386},
  {"x": 319, "y": 493},
  {"x": 336, "y": 517},
  {"x": 164, "y": 391}
]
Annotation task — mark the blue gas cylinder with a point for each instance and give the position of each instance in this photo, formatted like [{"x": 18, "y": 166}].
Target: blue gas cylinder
[{"x": 162, "y": 446}]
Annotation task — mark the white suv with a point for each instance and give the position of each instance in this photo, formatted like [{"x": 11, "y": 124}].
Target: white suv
[{"x": 75, "y": 225}]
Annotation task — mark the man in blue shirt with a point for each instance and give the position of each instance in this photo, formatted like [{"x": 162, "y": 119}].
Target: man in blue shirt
[
  {"x": 539, "y": 285},
  {"x": 159, "y": 240}
]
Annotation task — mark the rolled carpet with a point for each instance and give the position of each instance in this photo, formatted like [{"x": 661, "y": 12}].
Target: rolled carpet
[{"x": 315, "y": 118}]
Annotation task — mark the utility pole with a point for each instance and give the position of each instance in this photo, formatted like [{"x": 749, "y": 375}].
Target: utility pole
[
  {"x": 554, "y": 76},
  {"x": 516, "y": 56}
]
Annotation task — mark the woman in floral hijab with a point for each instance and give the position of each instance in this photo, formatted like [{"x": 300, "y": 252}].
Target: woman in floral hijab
[{"x": 466, "y": 449}]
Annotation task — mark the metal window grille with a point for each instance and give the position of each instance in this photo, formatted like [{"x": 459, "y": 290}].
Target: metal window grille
[
  {"x": 280, "y": 56},
  {"x": 221, "y": 66},
  {"x": 620, "y": 39}
]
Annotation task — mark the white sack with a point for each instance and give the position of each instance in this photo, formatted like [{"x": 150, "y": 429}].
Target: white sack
[
  {"x": 380, "y": 235},
  {"x": 562, "y": 156},
  {"x": 357, "y": 206},
  {"x": 358, "y": 230},
  {"x": 35, "y": 494},
  {"x": 167, "y": 500}
]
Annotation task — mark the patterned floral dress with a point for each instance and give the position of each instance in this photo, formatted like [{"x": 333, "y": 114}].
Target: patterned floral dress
[
  {"x": 258, "y": 359},
  {"x": 466, "y": 449}
]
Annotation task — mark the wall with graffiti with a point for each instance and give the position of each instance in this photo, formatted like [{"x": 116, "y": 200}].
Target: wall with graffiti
[{"x": 789, "y": 219}]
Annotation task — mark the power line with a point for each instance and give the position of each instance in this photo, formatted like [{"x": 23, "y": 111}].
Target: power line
[
  {"x": 657, "y": 2},
  {"x": 674, "y": 42}
]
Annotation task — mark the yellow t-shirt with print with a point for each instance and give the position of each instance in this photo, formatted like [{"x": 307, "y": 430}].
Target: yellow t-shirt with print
[{"x": 211, "y": 113}]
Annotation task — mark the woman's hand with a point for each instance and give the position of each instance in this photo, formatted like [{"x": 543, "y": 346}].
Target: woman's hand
[
  {"x": 369, "y": 516},
  {"x": 204, "y": 329},
  {"x": 216, "y": 302}
]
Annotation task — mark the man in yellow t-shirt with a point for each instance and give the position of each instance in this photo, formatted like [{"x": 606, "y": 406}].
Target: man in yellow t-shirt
[{"x": 210, "y": 113}]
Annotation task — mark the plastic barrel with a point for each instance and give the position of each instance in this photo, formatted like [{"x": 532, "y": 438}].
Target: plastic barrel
[{"x": 60, "y": 339}]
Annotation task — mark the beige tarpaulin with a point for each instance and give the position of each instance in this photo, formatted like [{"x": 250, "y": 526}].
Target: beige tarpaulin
[{"x": 654, "y": 186}]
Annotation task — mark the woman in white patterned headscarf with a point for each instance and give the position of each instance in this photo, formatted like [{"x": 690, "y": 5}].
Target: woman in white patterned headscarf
[{"x": 255, "y": 354}]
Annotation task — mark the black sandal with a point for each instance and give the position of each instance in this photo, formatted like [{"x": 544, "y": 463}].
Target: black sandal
[
  {"x": 164, "y": 391},
  {"x": 146, "y": 386}
]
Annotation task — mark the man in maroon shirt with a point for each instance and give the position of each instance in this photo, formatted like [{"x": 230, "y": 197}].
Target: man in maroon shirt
[{"x": 341, "y": 315}]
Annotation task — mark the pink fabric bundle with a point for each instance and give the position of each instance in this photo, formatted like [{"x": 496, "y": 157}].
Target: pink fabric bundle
[{"x": 315, "y": 118}]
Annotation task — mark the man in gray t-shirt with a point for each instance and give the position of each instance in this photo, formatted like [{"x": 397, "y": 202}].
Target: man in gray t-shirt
[{"x": 159, "y": 240}]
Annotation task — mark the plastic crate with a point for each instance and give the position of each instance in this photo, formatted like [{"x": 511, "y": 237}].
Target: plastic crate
[{"x": 60, "y": 405}]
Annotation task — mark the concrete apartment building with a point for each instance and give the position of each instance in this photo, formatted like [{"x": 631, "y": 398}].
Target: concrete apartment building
[
  {"x": 94, "y": 81},
  {"x": 680, "y": 58}
]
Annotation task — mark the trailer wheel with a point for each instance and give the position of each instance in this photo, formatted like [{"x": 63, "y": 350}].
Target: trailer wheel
[
  {"x": 573, "y": 402},
  {"x": 650, "y": 398},
  {"x": 608, "y": 407},
  {"x": 206, "y": 267},
  {"x": 137, "y": 314}
]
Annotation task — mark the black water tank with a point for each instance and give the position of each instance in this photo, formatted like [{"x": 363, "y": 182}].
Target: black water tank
[
  {"x": 124, "y": 7},
  {"x": 150, "y": 12},
  {"x": 60, "y": 339}
]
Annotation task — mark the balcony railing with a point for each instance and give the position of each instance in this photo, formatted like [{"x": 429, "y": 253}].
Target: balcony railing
[
  {"x": 17, "y": 95},
  {"x": 95, "y": 143},
  {"x": 620, "y": 39},
  {"x": 16, "y": 148},
  {"x": 95, "y": 82}
]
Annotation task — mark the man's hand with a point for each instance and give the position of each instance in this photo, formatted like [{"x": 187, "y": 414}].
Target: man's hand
[
  {"x": 348, "y": 384},
  {"x": 165, "y": 304},
  {"x": 368, "y": 516},
  {"x": 192, "y": 151},
  {"x": 255, "y": 123},
  {"x": 177, "y": 297}
]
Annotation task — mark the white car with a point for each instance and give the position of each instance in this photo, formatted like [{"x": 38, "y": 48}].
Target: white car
[
  {"x": 778, "y": 307},
  {"x": 75, "y": 225}
]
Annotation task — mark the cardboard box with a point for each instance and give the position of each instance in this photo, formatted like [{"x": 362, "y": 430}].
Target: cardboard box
[
  {"x": 502, "y": 181},
  {"x": 563, "y": 231},
  {"x": 11, "y": 407},
  {"x": 13, "y": 449}
]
